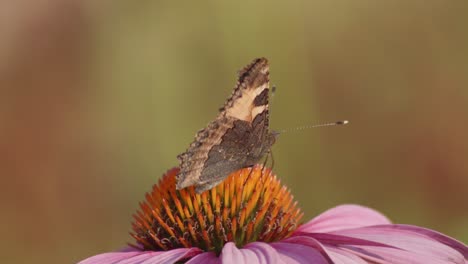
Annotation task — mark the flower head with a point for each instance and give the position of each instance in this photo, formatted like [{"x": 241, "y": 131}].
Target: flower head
[
  {"x": 252, "y": 218},
  {"x": 237, "y": 210}
]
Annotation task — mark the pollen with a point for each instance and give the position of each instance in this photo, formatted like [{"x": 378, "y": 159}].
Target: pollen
[{"x": 250, "y": 205}]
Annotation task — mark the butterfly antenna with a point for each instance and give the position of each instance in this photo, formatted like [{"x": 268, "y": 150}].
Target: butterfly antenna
[{"x": 337, "y": 123}]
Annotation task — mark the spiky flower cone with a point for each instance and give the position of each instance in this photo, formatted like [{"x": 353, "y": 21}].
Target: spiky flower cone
[{"x": 237, "y": 210}]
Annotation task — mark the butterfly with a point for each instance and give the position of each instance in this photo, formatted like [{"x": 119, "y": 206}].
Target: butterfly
[{"x": 238, "y": 137}]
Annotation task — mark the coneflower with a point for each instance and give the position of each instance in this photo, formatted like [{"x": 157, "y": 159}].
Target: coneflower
[{"x": 252, "y": 218}]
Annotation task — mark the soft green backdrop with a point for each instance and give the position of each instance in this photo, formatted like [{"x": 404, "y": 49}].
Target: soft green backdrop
[{"x": 154, "y": 72}]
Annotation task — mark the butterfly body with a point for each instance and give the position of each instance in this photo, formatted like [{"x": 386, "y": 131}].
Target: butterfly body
[{"x": 239, "y": 136}]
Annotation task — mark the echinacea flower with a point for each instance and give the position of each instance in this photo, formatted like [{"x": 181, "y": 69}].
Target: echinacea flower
[{"x": 258, "y": 221}]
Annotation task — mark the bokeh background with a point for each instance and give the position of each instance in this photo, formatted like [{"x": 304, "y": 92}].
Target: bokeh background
[{"x": 98, "y": 98}]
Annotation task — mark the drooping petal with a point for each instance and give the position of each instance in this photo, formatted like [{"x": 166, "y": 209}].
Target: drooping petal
[
  {"x": 136, "y": 259},
  {"x": 205, "y": 258},
  {"x": 310, "y": 242},
  {"x": 342, "y": 257},
  {"x": 344, "y": 217},
  {"x": 335, "y": 248},
  {"x": 231, "y": 254},
  {"x": 327, "y": 244},
  {"x": 403, "y": 245},
  {"x": 173, "y": 255},
  {"x": 297, "y": 254},
  {"x": 265, "y": 253},
  {"x": 384, "y": 244},
  {"x": 453, "y": 243},
  {"x": 142, "y": 257},
  {"x": 337, "y": 239},
  {"x": 111, "y": 257}
]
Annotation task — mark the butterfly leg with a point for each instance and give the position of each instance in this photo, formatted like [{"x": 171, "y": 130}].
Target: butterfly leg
[
  {"x": 250, "y": 173},
  {"x": 272, "y": 159},
  {"x": 269, "y": 153}
]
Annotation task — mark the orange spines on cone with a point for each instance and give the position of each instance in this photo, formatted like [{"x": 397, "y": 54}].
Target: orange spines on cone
[{"x": 250, "y": 205}]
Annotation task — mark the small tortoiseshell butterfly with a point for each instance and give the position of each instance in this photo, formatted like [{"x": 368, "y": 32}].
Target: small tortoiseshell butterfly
[{"x": 239, "y": 136}]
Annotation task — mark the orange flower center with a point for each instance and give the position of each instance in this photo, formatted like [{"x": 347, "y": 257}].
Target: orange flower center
[{"x": 250, "y": 205}]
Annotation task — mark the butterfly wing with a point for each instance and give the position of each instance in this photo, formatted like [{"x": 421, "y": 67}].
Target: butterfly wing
[
  {"x": 226, "y": 144},
  {"x": 241, "y": 146}
]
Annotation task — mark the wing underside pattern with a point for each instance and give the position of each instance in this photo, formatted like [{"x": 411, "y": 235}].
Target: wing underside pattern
[{"x": 237, "y": 137}]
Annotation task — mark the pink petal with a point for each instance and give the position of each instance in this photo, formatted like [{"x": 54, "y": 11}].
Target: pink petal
[
  {"x": 331, "y": 254},
  {"x": 405, "y": 245},
  {"x": 139, "y": 258},
  {"x": 310, "y": 242},
  {"x": 173, "y": 255},
  {"x": 265, "y": 253},
  {"x": 344, "y": 217},
  {"x": 453, "y": 243},
  {"x": 231, "y": 254},
  {"x": 110, "y": 257},
  {"x": 395, "y": 256},
  {"x": 205, "y": 258},
  {"x": 297, "y": 254},
  {"x": 343, "y": 257},
  {"x": 134, "y": 257},
  {"x": 335, "y": 239}
]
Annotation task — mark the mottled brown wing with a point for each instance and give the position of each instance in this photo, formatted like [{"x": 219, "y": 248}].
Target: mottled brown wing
[
  {"x": 225, "y": 145},
  {"x": 192, "y": 162},
  {"x": 242, "y": 146}
]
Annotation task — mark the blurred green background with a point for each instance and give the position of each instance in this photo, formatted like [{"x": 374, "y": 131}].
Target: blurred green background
[{"x": 97, "y": 100}]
